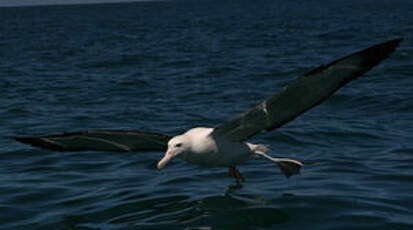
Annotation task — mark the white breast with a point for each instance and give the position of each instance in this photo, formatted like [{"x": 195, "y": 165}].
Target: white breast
[{"x": 210, "y": 152}]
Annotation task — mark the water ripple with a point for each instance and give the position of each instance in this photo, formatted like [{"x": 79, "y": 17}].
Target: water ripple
[{"x": 171, "y": 65}]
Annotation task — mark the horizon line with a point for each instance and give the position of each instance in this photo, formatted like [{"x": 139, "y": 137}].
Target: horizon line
[{"x": 31, "y": 3}]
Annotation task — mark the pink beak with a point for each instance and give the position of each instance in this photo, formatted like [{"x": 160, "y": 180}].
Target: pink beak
[{"x": 168, "y": 156}]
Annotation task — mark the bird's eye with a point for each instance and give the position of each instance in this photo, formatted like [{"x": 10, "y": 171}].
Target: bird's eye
[{"x": 178, "y": 145}]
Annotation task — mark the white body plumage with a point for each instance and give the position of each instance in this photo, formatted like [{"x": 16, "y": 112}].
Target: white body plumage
[
  {"x": 208, "y": 151},
  {"x": 199, "y": 147}
]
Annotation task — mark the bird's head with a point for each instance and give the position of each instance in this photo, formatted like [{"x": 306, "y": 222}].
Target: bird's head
[{"x": 176, "y": 146}]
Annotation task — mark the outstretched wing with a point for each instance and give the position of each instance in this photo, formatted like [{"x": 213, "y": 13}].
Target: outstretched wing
[
  {"x": 103, "y": 140},
  {"x": 307, "y": 92}
]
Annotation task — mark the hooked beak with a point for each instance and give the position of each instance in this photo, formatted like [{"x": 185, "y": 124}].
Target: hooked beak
[{"x": 168, "y": 156}]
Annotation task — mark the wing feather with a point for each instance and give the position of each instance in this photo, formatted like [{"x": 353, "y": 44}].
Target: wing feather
[
  {"x": 100, "y": 140},
  {"x": 308, "y": 91}
]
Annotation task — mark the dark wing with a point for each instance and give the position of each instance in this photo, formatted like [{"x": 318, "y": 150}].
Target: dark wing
[
  {"x": 307, "y": 92},
  {"x": 103, "y": 140}
]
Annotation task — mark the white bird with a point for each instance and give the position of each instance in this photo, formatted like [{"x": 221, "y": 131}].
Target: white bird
[
  {"x": 200, "y": 146},
  {"x": 226, "y": 145}
]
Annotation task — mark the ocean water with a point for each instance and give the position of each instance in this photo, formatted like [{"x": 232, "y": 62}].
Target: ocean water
[{"x": 168, "y": 66}]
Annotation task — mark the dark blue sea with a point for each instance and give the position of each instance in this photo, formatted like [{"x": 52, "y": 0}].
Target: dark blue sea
[{"x": 167, "y": 66}]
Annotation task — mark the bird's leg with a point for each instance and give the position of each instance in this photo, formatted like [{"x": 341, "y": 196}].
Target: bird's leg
[
  {"x": 288, "y": 166},
  {"x": 233, "y": 172}
]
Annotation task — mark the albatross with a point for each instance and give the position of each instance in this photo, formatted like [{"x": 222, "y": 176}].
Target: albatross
[{"x": 227, "y": 145}]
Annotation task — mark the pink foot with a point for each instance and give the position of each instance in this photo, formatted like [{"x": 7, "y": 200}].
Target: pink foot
[{"x": 233, "y": 172}]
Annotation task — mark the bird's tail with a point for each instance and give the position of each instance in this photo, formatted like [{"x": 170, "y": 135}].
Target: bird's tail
[{"x": 287, "y": 166}]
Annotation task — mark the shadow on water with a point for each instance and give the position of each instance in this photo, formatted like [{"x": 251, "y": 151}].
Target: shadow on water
[{"x": 228, "y": 211}]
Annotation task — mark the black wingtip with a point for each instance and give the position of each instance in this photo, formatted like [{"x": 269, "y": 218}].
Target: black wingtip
[
  {"x": 372, "y": 55},
  {"x": 396, "y": 41},
  {"x": 39, "y": 142},
  {"x": 375, "y": 54},
  {"x": 388, "y": 47}
]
